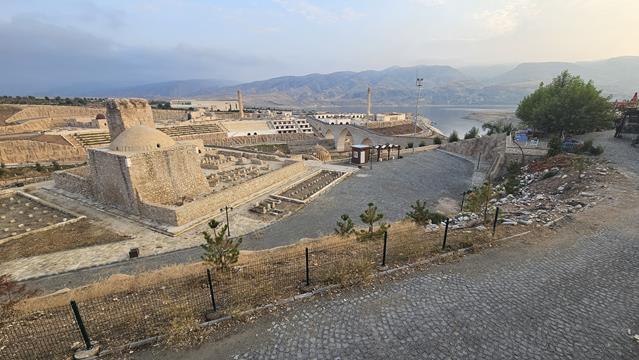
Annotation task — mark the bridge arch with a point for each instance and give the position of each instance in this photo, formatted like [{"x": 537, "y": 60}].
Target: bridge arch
[
  {"x": 344, "y": 140},
  {"x": 329, "y": 135}
]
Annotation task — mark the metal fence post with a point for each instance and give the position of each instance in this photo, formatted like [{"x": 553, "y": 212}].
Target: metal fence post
[
  {"x": 495, "y": 221},
  {"x": 78, "y": 320},
  {"x": 208, "y": 276},
  {"x": 384, "y": 251},
  {"x": 445, "y": 234},
  {"x": 308, "y": 279}
]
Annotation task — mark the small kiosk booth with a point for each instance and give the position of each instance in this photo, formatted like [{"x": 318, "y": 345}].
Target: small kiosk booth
[{"x": 360, "y": 154}]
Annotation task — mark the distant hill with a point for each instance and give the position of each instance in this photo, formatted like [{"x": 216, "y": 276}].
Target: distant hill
[
  {"x": 169, "y": 89},
  {"x": 618, "y": 77},
  {"x": 392, "y": 86},
  {"x": 395, "y": 86}
]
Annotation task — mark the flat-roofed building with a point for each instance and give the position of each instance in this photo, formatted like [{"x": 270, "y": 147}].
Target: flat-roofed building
[{"x": 211, "y": 105}]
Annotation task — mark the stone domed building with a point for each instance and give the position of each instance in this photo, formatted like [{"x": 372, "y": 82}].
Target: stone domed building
[{"x": 143, "y": 170}]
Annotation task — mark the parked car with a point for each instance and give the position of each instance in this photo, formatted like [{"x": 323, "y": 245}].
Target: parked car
[{"x": 571, "y": 145}]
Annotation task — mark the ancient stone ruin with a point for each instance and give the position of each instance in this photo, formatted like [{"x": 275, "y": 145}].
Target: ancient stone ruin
[{"x": 146, "y": 173}]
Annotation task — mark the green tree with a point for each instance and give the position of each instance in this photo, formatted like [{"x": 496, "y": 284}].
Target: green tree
[
  {"x": 38, "y": 167},
  {"x": 220, "y": 251},
  {"x": 437, "y": 140},
  {"x": 453, "y": 137},
  {"x": 472, "y": 133},
  {"x": 554, "y": 146},
  {"x": 346, "y": 226},
  {"x": 568, "y": 103},
  {"x": 422, "y": 216},
  {"x": 498, "y": 127},
  {"x": 370, "y": 216},
  {"x": 56, "y": 166}
]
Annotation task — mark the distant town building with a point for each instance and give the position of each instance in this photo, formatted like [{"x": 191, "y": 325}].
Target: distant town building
[{"x": 211, "y": 105}]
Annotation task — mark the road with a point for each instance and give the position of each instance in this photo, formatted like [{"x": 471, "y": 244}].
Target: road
[{"x": 572, "y": 295}]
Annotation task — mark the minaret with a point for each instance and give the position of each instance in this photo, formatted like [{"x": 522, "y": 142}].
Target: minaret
[
  {"x": 368, "y": 112},
  {"x": 241, "y": 104}
]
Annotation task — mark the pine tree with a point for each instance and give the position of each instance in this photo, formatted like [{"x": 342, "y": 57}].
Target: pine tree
[
  {"x": 220, "y": 251},
  {"x": 346, "y": 226},
  {"x": 370, "y": 216}
]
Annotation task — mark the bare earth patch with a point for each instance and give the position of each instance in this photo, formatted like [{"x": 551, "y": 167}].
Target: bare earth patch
[{"x": 71, "y": 236}]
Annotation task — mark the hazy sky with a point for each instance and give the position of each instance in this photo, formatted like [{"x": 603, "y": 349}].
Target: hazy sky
[{"x": 60, "y": 43}]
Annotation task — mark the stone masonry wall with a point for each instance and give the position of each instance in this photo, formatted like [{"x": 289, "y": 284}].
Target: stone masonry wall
[
  {"x": 166, "y": 177},
  {"x": 111, "y": 180},
  {"x": 73, "y": 182},
  {"x": 177, "y": 216},
  {"x": 28, "y": 151},
  {"x": 164, "y": 115},
  {"x": 122, "y": 114},
  {"x": 54, "y": 112}
]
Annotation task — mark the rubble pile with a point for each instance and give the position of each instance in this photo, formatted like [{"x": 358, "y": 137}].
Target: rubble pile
[
  {"x": 548, "y": 190},
  {"x": 551, "y": 189}
]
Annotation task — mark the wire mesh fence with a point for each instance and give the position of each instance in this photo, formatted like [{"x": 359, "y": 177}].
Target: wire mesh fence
[{"x": 119, "y": 318}]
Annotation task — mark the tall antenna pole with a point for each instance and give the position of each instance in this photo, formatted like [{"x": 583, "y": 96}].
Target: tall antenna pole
[{"x": 419, "y": 82}]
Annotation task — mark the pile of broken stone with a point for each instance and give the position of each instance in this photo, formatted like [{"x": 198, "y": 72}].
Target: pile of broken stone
[{"x": 543, "y": 198}]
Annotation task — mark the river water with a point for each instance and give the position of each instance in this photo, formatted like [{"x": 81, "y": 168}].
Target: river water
[{"x": 445, "y": 118}]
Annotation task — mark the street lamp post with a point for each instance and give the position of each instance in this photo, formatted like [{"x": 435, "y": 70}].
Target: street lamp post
[
  {"x": 228, "y": 225},
  {"x": 419, "y": 82}
]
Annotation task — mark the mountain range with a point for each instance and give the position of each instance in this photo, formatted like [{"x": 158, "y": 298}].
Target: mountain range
[{"x": 395, "y": 86}]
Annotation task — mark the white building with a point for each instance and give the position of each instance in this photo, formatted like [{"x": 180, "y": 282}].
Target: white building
[{"x": 211, "y": 105}]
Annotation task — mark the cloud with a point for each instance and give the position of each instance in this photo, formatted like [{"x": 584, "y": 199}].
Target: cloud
[
  {"x": 507, "y": 18},
  {"x": 37, "y": 57},
  {"x": 316, "y": 13}
]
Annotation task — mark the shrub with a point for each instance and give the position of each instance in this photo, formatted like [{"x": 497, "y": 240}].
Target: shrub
[
  {"x": 219, "y": 250},
  {"x": 56, "y": 166},
  {"x": 370, "y": 216},
  {"x": 409, "y": 145},
  {"x": 422, "y": 216},
  {"x": 453, "y": 137},
  {"x": 39, "y": 167},
  {"x": 478, "y": 197},
  {"x": 554, "y": 146},
  {"x": 472, "y": 133},
  {"x": 345, "y": 227},
  {"x": 511, "y": 185},
  {"x": 437, "y": 140},
  {"x": 597, "y": 150},
  {"x": 422, "y": 143}
]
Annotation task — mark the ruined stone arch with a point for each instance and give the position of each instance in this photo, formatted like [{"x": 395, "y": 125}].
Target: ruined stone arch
[{"x": 344, "y": 140}]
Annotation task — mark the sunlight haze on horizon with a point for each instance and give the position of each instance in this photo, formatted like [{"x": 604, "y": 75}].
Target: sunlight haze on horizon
[{"x": 47, "y": 44}]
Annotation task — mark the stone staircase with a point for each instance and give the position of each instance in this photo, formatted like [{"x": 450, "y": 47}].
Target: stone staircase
[{"x": 92, "y": 139}]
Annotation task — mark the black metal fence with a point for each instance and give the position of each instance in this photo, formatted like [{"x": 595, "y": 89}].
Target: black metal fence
[{"x": 120, "y": 318}]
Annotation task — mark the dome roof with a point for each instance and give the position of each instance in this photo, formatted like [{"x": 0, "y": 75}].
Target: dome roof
[{"x": 141, "y": 138}]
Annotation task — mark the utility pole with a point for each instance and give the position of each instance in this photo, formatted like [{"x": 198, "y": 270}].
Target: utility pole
[
  {"x": 228, "y": 225},
  {"x": 420, "y": 83}
]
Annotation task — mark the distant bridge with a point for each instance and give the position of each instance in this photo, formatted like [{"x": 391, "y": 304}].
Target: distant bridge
[{"x": 343, "y": 134}]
